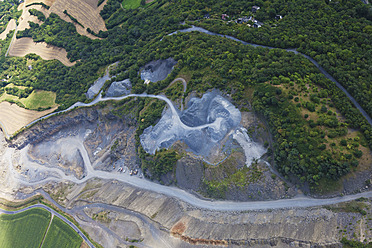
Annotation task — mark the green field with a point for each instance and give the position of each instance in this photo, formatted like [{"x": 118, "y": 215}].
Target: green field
[
  {"x": 61, "y": 235},
  {"x": 131, "y": 4},
  {"x": 19, "y": 230},
  {"x": 39, "y": 99}
]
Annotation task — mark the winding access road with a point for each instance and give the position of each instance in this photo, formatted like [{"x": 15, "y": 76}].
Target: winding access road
[
  {"x": 202, "y": 30},
  {"x": 322, "y": 70},
  {"x": 300, "y": 201},
  {"x": 53, "y": 212}
]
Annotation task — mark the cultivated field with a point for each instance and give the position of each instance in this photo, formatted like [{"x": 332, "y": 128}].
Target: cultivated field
[
  {"x": 85, "y": 11},
  {"x": 13, "y": 117},
  {"x": 25, "y": 229},
  {"x": 61, "y": 235},
  {"x": 26, "y": 45},
  {"x": 11, "y": 26}
]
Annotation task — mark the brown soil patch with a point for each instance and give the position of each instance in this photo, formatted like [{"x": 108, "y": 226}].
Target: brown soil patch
[
  {"x": 92, "y": 3},
  {"x": 84, "y": 245},
  {"x": 180, "y": 227},
  {"x": 47, "y": 2},
  {"x": 26, "y": 45},
  {"x": 11, "y": 26},
  {"x": 13, "y": 117}
]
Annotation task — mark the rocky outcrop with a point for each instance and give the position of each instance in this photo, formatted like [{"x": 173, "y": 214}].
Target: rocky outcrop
[{"x": 50, "y": 126}]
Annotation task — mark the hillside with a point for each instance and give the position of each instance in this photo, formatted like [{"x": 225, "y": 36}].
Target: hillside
[
  {"x": 186, "y": 123},
  {"x": 318, "y": 136}
]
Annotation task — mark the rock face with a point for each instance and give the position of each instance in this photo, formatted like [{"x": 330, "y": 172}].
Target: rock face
[
  {"x": 97, "y": 85},
  {"x": 158, "y": 70},
  {"x": 109, "y": 140},
  {"x": 48, "y": 127},
  {"x": 203, "y": 126},
  {"x": 119, "y": 88},
  {"x": 67, "y": 157}
]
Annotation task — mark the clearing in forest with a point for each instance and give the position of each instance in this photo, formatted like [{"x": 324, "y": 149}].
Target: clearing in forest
[
  {"x": 38, "y": 99},
  {"x": 26, "y": 45},
  {"x": 131, "y": 4}
]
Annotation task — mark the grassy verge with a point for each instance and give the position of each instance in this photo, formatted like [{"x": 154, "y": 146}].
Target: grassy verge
[
  {"x": 349, "y": 207},
  {"x": 12, "y": 206},
  {"x": 19, "y": 230}
]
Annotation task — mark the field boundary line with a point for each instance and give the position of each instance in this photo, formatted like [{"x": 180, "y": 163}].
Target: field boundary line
[{"x": 46, "y": 233}]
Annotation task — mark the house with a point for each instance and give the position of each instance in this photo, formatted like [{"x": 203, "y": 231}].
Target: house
[
  {"x": 224, "y": 16},
  {"x": 207, "y": 16},
  {"x": 244, "y": 19},
  {"x": 278, "y": 17},
  {"x": 255, "y": 8},
  {"x": 257, "y": 24},
  {"x": 29, "y": 67}
]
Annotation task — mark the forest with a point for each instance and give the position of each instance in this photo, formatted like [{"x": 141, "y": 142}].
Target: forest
[{"x": 302, "y": 107}]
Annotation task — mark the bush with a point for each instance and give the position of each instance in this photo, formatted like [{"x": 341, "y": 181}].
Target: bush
[{"x": 343, "y": 142}]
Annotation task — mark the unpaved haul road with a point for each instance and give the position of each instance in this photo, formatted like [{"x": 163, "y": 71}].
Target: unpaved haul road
[{"x": 299, "y": 201}]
